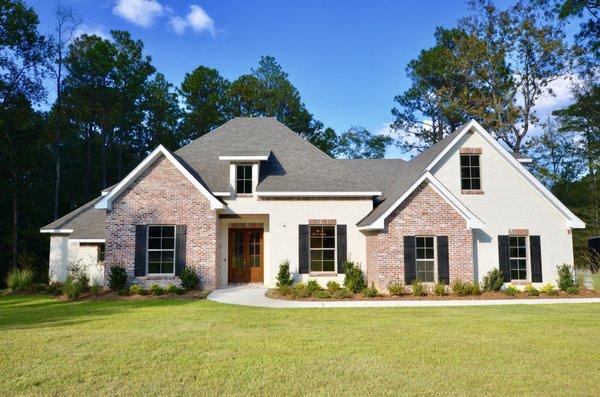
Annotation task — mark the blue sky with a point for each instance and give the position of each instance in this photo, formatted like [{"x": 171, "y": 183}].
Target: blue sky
[{"x": 347, "y": 58}]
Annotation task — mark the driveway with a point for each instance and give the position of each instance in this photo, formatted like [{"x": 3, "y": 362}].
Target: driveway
[{"x": 254, "y": 295}]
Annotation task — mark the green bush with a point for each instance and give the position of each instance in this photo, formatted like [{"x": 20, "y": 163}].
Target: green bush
[
  {"x": 573, "y": 290},
  {"x": 439, "y": 289},
  {"x": 493, "y": 281},
  {"x": 155, "y": 289},
  {"x": 565, "y": 277},
  {"x": 333, "y": 286},
  {"x": 19, "y": 279},
  {"x": 172, "y": 289},
  {"x": 596, "y": 282},
  {"x": 475, "y": 289},
  {"x": 117, "y": 279},
  {"x": 79, "y": 274},
  {"x": 137, "y": 290},
  {"x": 285, "y": 290},
  {"x": 511, "y": 290},
  {"x": 418, "y": 289},
  {"x": 299, "y": 291},
  {"x": 54, "y": 288},
  {"x": 342, "y": 293},
  {"x": 72, "y": 287},
  {"x": 189, "y": 278},
  {"x": 549, "y": 289},
  {"x": 322, "y": 294},
  {"x": 96, "y": 289},
  {"x": 284, "y": 278},
  {"x": 532, "y": 291},
  {"x": 396, "y": 288},
  {"x": 370, "y": 292},
  {"x": 312, "y": 286},
  {"x": 354, "y": 279},
  {"x": 461, "y": 288},
  {"x": 123, "y": 292}
]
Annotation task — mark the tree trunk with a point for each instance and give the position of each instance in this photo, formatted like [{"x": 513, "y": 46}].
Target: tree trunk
[
  {"x": 88, "y": 156},
  {"x": 15, "y": 213}
]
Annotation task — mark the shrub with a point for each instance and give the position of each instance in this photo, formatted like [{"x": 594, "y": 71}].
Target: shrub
[
  {"x": 418, "y": 289},
  {"x": 79, "y": 274},
  {"x": 172, "y": 289},
  {"x": 439, "y": 289},
  {"x": 155, "y": 289},
  {"x": 322, "y": 294},
  {"x": 96, "y": 289},
  {"x": 333, "y": 286},
  {"x": 189, "y": 278},
  {"x": 511, "y": 290},
  {"x": 19, "y": 279},
  {"x": 342, "y": 293},
  {"x": 396, "y": 288},
  {"x": 284, "y": 278},
  {"x": 123, "y": 292},
  {"x": 370, "y": 292},
  {"x": 354, "y": 279},
  {"x": 460, "y": 288},
  {"x": 117, "y": 279},
  {"x": 285, "y": 290},
  {"x": 137, "y": 290},
  {"x": 72, "y": 287},
  {"x": 475, "y": 288},
  {"x": 493, "y": 281},
  {"x": 565, "y": 277},
  {"x": 532, "y": 291},
  {"x": 572, "y": 290},
  {"x": 580, "y": 281},
  {"x": 596, "y": 282},
  {"x": 299, "y": 291},
  {"x": 312, "y": 286},
  {"x": 54, "y": 288},
  {"x": 549, "y": 289}
]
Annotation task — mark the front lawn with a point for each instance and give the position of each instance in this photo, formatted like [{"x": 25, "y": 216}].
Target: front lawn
[{"x": 185, "y": 346}]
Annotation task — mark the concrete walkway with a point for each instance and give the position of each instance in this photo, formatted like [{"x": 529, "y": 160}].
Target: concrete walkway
[{"x": 254, "y": 295}]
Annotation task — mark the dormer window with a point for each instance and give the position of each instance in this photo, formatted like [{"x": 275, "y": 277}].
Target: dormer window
[{"x": 243, "y": 179}]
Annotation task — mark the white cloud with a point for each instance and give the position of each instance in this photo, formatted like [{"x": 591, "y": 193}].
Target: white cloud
[
  {"x": 97, "y": 30},
  {"x": 197, "y": 19},
  {"x": 561, "y": 88},
  {"x": 140, "y": 12}
]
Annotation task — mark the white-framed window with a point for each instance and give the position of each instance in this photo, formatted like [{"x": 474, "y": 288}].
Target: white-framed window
[
  {"x": 322, "y": 248},
  {"x": 425, "y": 258},
  {"x": 518, "y": 257},
  {"x": 243, "y": 179},
  {"x": 470, "y": 175},
  {"x": 161, "y": 249}
]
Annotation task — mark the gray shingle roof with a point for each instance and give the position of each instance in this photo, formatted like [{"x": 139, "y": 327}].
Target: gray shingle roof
[{"x": 86, "y": 222}]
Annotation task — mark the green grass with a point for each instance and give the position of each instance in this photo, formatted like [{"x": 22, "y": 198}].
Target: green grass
[{"x": 179, "y": 346}]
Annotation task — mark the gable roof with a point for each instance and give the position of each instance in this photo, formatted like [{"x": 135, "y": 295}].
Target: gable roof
[
  {"x": 190, "y": 174},
  {"x": 427, "y": 160},
  {"x": 86, "y": 222}
]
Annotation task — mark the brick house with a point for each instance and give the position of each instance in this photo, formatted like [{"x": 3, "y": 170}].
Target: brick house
[{"x": 238, "y": 201}]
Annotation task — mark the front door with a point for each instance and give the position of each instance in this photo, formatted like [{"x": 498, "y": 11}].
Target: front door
[{"x": 245, "y": 256}]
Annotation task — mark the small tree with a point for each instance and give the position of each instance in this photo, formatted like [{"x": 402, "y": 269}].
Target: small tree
[
  {"x": 565, "y": 277},
  {"x": 284, "y": 278},
  {"x": 117, "y": 279},
  {"x": 189, "y": 278},
  {"x": 354, "y": 279},
  {"x": 493, "y": 280}
]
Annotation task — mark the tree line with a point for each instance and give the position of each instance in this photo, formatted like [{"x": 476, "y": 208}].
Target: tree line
[{"x": 112, "y": 106}]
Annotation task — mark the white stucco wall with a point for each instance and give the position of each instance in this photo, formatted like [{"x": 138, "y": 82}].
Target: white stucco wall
[
  {"x": 281, "y": 230},
  {"x": 64, "y": 251},
  {"x": 508, "y": 202}
]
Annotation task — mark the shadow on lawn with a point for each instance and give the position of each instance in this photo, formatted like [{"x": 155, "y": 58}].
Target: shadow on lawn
[{"x": 27, "y": 312}]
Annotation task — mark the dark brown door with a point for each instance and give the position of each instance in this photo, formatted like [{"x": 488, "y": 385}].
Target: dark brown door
[{"x": 245, "y": 256}]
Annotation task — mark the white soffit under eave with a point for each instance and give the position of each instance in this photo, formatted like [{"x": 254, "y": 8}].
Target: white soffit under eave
[
  {"x": 572, "y": 221},
  {"x": 106, "y": 201}
]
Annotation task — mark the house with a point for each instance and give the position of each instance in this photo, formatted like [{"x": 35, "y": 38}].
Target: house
[{"x": 238, "y": 201}]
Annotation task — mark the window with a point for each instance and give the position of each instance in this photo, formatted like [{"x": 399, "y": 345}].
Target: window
[
  {"x": 425, "y": 259},
  {"x": 322, "y": 248},
  {"x": 161, "y": 249},
  {"x": 101, "y": 251},
  {"x": 469, "y": 172},
  {"x": 243, "y": 179},
  {"x": 518, "y": 257}
]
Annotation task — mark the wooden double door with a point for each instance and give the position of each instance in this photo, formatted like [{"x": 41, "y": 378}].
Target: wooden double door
[{"x": 245, "y": 256}]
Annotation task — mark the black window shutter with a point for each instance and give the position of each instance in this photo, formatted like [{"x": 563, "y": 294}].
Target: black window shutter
[
  {"x": 504, "y": 257},
  {"x": 342, "y": 248},
  {"x": 303, "y": 249},
  {"x": 180, "y": 243},
  {"x": 410, "y": 266},
  {"x": 536, "y": 259},
  {"x": 442, "y": 259},
  {"x": 140, "y": 250}
]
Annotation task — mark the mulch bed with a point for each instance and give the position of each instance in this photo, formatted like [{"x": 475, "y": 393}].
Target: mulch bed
[
  {"x": 583, "y": 293},
  {"x": 87, "y": 296}
]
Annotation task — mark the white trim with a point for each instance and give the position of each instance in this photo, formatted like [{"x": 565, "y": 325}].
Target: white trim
[
  {"x": 57, "y": 231},
  {"x": 244, "y": 158},
  {"x": 525, "y": 160},
  {"x": 222, "y": 194},
  {"x": 318, "y": 194},
  {"x": 572, "y": 221},
  {"x": 473, "y": 222},
  {"x": 106, "y": 201},
  {"x": 88, "y": 240}
]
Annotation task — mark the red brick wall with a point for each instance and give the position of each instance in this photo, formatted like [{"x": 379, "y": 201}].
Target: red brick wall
[
  {"x": 424, "y": 212},
  {"x": 162, "y": 195}
]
